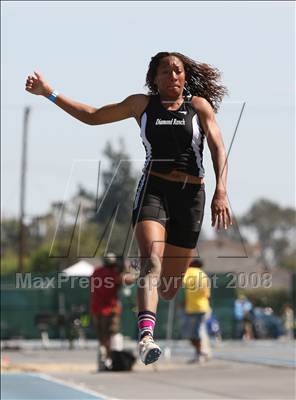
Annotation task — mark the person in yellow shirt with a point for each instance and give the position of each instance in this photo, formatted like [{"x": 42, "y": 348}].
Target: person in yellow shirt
[{"x": 197, "y": 305}]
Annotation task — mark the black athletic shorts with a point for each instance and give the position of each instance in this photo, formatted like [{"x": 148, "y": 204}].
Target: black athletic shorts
[{"x": 178, "y": 206}]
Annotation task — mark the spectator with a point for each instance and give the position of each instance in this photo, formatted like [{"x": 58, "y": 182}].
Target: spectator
[
  {"x": 105, "y": 306},
  {"x": 288, "y": 321},
  {"x": 197, "y": 294},
  {"x": 243, "y": 318}
]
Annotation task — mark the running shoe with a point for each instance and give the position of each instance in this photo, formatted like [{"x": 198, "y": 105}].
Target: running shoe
[{"x": 149, "y": 351}]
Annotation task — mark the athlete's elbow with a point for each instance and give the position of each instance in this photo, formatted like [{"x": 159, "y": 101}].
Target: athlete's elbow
[
  {"x": 84, "y": 117},
  {"x": 214, "y": 153},
  {"x": 92, "y": 117},
  {"x": 92, "y": 122},
  {"x": 217, "y": 150},
  {"x": 87, "y": 121}
]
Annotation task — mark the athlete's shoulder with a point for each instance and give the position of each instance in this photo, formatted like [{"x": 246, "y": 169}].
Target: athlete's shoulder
[
  {"x": 138, "y": 102},
  {"x": 202, "y": 106},
  {"x": 138, "y": 97}
]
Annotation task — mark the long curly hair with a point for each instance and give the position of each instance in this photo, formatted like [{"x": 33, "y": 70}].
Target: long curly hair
[{"x": 201, "y": 79}]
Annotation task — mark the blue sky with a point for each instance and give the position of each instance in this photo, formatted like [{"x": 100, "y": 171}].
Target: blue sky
[{"x": 98, "y": 53}]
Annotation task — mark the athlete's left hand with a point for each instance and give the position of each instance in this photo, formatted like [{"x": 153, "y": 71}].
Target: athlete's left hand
[{"x": 220, "y": 210}]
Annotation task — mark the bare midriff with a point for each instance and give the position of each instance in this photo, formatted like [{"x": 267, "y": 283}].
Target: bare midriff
[{"x": 179, "y": 176}]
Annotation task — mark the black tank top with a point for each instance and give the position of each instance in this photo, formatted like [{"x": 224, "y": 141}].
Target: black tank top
[{"x": 173, "y": 140}]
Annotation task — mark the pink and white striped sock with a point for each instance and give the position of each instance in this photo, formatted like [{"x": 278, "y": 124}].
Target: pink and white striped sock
[{"x": 146, "y": 323}]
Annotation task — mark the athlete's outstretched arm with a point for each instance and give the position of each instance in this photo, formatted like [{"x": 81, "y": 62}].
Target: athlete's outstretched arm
[
  {"x": 36, "y": 84},
  {"x": 220, "y": 208}
]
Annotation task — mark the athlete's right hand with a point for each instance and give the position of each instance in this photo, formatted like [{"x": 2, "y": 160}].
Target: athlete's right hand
[{"x": 36, "y": 84}]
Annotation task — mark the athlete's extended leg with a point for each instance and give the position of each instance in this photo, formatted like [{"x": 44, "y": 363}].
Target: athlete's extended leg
[
  {"x": 151, "y": 241},
  {"x": 151, "y": 237}
]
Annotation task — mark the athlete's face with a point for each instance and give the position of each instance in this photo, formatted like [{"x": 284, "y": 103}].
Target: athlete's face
[{"x": 170, "y": 77}]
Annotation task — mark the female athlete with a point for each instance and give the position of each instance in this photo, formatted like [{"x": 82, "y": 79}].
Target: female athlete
[{"x": 175, "y": 117}]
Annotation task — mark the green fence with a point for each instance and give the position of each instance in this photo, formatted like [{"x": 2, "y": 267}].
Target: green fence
[{"x": 22, "y": 309}]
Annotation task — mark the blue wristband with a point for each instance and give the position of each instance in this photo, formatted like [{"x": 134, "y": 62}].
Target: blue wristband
[{"x": 53, "y": 96}]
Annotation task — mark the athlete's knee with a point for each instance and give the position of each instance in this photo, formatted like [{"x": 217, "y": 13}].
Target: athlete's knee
[
  {"x": 151, "y": 265},
  {"x": 169, "y": 286},
  {"x": 167, "y": 294}
]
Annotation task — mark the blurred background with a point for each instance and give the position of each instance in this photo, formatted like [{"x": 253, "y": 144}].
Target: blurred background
[{"x": 56, "y": 172}]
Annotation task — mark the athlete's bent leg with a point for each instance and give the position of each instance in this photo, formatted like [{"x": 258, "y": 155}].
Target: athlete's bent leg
[{"x": 175, "y": 262}]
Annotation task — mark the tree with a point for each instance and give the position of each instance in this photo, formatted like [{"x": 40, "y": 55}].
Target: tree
[
  {"x": 274, "y": 228},
  {"x": 114, "y": 206},
  {"x": 289, "y": 262},
  {"x": 9, "y": 234},
  {"x": 41, "y": 262},
  {"x": 119, "y": 185}
]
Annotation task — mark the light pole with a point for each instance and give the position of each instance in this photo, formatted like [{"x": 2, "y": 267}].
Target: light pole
[{"x": 23, "y": 191}]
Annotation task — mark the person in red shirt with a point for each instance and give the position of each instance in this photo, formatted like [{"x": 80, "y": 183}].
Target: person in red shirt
[{"x": 105, "y": 306}]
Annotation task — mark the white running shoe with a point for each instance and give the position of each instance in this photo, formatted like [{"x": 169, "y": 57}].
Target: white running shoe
[{"x": 149, "y": 351}]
